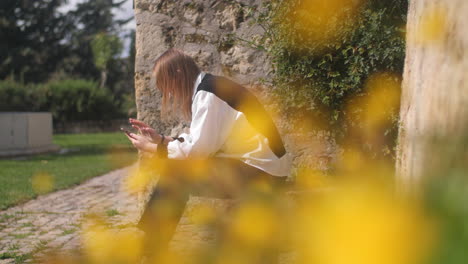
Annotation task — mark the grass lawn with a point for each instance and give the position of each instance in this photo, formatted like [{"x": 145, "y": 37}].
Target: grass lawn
[{"x": 90, "y": 155}]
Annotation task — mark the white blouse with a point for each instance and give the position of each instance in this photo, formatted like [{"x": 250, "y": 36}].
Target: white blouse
[{"x": 219, "y": 130}]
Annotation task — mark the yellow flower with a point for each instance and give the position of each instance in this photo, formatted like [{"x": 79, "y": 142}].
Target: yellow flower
[
  {"x": 363, "y": 224},
  {"x": 432, "y": 26},
  {"x": 254, "y": 223},
  {"x": 322, "y": 22},
  {"x": 202, "y": 214},
  {"x": 376, "y": 107},
  {"x": 42, "y": 182},
  {"x": 104, "y": 245}
]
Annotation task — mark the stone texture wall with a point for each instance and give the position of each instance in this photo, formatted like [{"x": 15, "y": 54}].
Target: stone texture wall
[
  {"x": 212, "y": 32},
  {"x": 205, "y": 30},
  {"x": 435, "y": 85}
]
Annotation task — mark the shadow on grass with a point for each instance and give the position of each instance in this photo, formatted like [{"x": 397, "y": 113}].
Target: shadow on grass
[{"x": 79, "y": 151}]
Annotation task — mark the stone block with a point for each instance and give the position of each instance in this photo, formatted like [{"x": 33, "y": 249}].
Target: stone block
[{"x": 24, "y": 133}]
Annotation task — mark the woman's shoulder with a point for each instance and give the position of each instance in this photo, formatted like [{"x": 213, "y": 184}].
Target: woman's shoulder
[{"x": 223, "y": 87}]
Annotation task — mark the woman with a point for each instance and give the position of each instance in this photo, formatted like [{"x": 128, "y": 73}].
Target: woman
[{"x": 230, "y": 133}]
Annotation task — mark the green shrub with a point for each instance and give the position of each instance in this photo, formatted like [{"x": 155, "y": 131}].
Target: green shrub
[
  {"x": 18, "y": 97},
  {"x": 71, "y": 100},
  {"x": 68, "y": 100}
]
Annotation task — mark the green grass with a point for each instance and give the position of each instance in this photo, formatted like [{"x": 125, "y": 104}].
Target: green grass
[
  {"x": 21, "y": 236},
  {"x": 28, "y": 224},
  {"x": 68, "y": 231},
  {"x": 13, "y": 247},
  {"x": 18, "y": 258},
  {"x": 112, "y": 212},
  {"x": 91, "y": 155},
  {"x": 7, "y": 255}
]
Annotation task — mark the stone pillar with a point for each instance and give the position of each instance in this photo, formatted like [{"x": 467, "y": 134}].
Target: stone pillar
[
  {"x": 217, "y": 35},
  {"x": 435, "y": 85}
]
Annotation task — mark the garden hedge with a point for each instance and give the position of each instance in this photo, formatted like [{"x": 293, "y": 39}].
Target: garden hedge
[{"x": 68, "y": 100}]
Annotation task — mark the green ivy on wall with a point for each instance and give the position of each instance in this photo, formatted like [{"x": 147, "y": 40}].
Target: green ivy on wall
[
  {"x": 320, "y": 74},
  {"x": 324, "y": 55}
]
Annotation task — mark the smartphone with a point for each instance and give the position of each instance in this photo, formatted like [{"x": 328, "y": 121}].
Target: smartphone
[{"x": 125, "y": 131}]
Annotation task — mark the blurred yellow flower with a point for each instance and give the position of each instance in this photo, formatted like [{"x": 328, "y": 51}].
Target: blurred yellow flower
[
  {"x": 311, "y": 179},
  {"x": 198, "y": 169},
  {"x": 363, "y": 224},
  {"x": 202, "y": 214},
  {"x": 376, "y": 107},
  {"x": 254, "y": 223},
  {"x": 138, "y": 180},
  {"x": 323, "y": 22},
  {"x": 145, "y": 175},
  {"x": 103, "y": 245},
  {"x": 433, "y": 25},
  {"x": 353, "y": 161},
  {"x": 384, "y": 90},
  {"x": 42, "y": 182}
]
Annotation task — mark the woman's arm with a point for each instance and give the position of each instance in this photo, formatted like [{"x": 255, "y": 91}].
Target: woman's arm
[
  {"x": 143, "y": 143},
  {"x": 212, "y": 120}
]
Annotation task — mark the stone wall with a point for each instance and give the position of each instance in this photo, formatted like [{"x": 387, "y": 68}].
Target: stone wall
[{"x": 215, "y": 33}]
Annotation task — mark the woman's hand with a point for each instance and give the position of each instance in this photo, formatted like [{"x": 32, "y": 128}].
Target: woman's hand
[
  {"x": 141, "y": 142},
  {"x": 145, "y": 130}
]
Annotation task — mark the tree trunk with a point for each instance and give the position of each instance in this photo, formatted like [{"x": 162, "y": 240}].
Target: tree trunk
[
  {"x": 435, "y": 84},
  {"x": 103, "y": 79}
]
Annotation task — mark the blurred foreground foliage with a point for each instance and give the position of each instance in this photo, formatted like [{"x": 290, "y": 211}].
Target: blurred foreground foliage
[
  {"x": 446, "y": 195},
  {"x": 354, "y": 218},
  {"x": 68, "y": 100}
]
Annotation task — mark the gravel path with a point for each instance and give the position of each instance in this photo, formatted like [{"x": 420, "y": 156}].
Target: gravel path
[{"x": 53, "y": 221}]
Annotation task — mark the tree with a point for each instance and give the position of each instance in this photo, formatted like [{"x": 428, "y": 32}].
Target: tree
[
  {"x": 105, "y": 47},
  {"x": 435, "y": 90},
  {"x": 32, "y": 35},
  {"x": 91, "y": 18}
]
